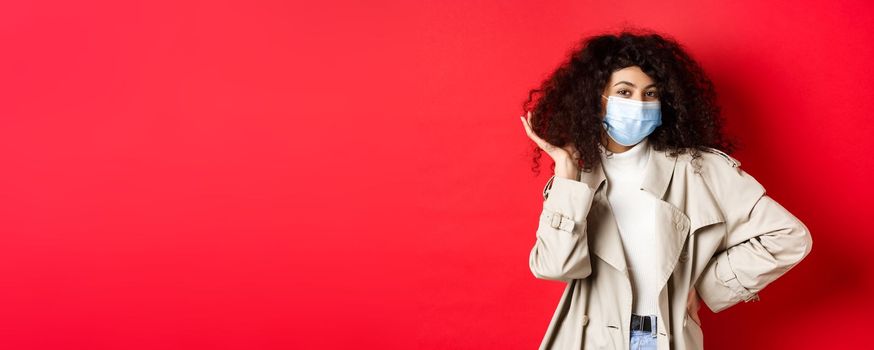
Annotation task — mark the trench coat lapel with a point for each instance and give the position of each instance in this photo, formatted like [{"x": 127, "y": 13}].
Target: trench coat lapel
[
  {"x": 603, "y": 231},
  {"x": 605, "y": 239},
  {"x": 672, "y": 225}
]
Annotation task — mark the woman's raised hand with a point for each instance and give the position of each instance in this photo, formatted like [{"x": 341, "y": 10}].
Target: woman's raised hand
[{"x": 565, "y": 157}]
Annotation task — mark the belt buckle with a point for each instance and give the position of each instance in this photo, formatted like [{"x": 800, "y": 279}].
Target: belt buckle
[{"x": 642, "y": 323}]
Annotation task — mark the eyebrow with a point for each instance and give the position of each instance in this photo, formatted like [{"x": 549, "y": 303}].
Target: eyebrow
[{"x": 632, "y": 85}]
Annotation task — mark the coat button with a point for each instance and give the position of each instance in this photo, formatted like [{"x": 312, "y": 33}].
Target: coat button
[{"x": 585, "y": 320}]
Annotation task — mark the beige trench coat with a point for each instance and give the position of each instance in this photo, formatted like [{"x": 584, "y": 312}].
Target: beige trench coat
[{"x": 717, "y": 230}]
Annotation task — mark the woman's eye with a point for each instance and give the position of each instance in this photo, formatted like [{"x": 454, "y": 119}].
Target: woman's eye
[
  {"x": 652, "y": 93},
  {"x": 622, "y": 92}
]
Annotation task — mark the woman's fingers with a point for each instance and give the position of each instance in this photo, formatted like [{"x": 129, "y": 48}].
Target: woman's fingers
[
  {"x": 554, "y": 152},
  {"x": 526, "y": 122}
]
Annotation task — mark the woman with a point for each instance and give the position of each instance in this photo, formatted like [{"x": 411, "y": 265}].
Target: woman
[{"x": 646, "y": 212}]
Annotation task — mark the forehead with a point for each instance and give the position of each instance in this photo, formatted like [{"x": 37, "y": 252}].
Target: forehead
[{"x": 631, "y": 74}]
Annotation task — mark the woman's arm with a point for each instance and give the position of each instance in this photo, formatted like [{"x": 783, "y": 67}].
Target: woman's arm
[
  {"x": 561, "y": 251},
  {"x": 763, "y": 240}
]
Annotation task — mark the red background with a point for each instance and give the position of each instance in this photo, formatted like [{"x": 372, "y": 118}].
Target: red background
[{"x": 274, "y": 175}]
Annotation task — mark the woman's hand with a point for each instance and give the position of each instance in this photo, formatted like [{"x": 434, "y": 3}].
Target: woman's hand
[
  {"x": 693, "y": 305},
  {"x": 565, "y": 157}
]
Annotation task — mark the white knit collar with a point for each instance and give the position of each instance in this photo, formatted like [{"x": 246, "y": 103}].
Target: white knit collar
[{"x": 638, "y": 154}]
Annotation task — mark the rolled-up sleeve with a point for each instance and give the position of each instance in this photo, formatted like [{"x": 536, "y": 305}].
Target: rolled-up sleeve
[
  {"x": 762, "y": 240},
  {"x": 561, "y": 251}
]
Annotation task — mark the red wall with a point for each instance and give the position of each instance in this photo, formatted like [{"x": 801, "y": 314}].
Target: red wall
[{"x": 275, "y": 175}]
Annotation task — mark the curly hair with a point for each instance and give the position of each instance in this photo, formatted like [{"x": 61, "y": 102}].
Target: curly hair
[{"x": 568, "y": 104}]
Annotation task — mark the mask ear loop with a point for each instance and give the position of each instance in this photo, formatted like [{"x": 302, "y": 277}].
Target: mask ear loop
[{"x": 607, "y": 127}]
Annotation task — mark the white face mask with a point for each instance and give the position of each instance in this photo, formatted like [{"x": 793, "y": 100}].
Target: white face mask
[{"x": 629, "y": 121}]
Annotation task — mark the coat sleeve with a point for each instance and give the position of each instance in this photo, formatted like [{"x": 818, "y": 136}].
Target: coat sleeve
[
  {"x": 762, "y": 241},
  {"x": 561, "y": 251}
]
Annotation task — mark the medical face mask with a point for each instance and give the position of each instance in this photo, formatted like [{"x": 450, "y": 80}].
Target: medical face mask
[{"x": 629, "y": 121}]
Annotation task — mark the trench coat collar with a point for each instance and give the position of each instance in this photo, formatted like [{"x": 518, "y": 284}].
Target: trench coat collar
[{"x": 659, "y": 169}]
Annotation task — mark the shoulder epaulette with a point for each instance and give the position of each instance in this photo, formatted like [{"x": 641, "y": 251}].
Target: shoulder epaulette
[{"x": 731, "y": 160}]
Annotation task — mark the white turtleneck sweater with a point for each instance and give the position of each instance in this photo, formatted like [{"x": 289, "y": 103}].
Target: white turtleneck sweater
[{"x": 634, "y": 210}]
